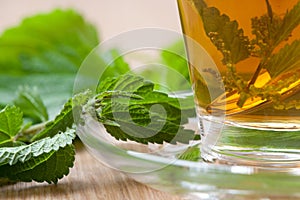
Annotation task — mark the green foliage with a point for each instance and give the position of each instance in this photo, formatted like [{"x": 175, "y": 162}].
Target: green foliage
[
  {"x": 285, "y": 60},
  {"x": 225, "y": 34},
  {"x": 47, "y": 160},
  {"x": 49, "y": 167},
  {"x": 52, "y": 42},
  {"x": 193, "y": 153},
  {"x": 65, "y": 118},
  {"x": 254, "y": 138},
  {"x": 172, "y": 65},
  {"x": 291, "y": 20},
  {"x": 115, "y": 65},
  {"x": 12, "y": 155},
  {"x": 265, "y": 29},
  {"x": 31, "y": 104},
  {"x": 11, "y": 119},
  {"x": 175, "y": 57},
  {"x": 45, "y": 51},
  {"x": 44, "y": 160},
  {"x": 43, "y": 54},
  {"x": 130, "y": 109},
  {"x": 270, "y": 30}
]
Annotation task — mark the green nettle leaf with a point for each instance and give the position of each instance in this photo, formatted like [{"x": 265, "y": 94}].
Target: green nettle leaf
[
  {"x": 52, "y": 42},
  {"x": 255, "y": 138},
  {"x": 271, "y": 29},
  {"x": 65, "y": 119},
  {"x": 61, "y": 122},
  {"x": 13, "y": 155},
  {"x": 31, "y": 104},
  {"x": 291, "y": 20},
  {"x": 265, "y": 30},
  {"x": 173, "y": 57},
  {"x": 49, "y": 167},
  {"x": 191, "y": 154},
  {"x": 285, "y": 60},
  {"x": 106, "y": 85},
  {"x": 176, "y": 61},
  {"x": 130, "y": 109},
  {"x": 47, "y": 160},
  {"x": 11, "y": 120},
  {"x": 224, "y": 34},
  {"x": 45, "y": 51},
  {"x": 116, "y": 64}
]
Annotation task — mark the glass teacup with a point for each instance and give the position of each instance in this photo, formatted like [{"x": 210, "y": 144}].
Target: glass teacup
[{"x": 249, "y": 103}]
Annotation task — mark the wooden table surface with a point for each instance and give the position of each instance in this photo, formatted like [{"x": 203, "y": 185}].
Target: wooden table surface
[{"x": 88, "y": 179}]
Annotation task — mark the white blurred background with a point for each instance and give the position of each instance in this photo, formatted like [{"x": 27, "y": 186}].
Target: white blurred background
[{"x": 111, "y": 17}]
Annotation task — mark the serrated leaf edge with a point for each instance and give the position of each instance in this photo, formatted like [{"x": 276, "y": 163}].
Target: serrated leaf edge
[{"x": 12, "y": 155}]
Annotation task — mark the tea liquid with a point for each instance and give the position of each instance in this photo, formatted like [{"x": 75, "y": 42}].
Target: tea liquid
[{"x": 255, "y": 46}]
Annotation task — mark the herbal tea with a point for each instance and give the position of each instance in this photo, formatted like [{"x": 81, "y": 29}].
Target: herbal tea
[{"x": 256, "y": 49}]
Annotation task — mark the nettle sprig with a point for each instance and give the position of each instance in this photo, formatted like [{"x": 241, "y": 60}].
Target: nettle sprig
[
  {"x": 37, "y": 125},
  {"x": 270, "y": 31},
  {"x": 127, "y": 106}
]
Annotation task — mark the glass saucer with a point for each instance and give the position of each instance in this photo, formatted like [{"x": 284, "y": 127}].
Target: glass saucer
[{"x": 156, "y": 166}]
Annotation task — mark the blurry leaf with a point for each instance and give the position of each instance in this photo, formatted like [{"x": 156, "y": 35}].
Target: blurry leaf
[
  {"x": 191, "y": 154},
  {"x": 175, "y": 57},
  {"x": 172, "y": 65},
  {"x": 65, "y": 119},
  {"x": 11, "y": 119},
  {"x": 224, "y": 34},
  {"x": 291, "y": 20},
  {"x": 45, "y": 51},
  {"x": 116, "y": 64},
  {"x": 285, "y": 60},
  {"x": 31, "y": 104}
]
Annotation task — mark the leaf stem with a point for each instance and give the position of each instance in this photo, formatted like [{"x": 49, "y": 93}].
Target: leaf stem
[
  {"x": 270, "y": 11},
  {"x": 260, "y": 66},
  {"x": 34, "y": 128},
  {"x": 30, "y": 131},
  {"x": 255, "y": 76}
]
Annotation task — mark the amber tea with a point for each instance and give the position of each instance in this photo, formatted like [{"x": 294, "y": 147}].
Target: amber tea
[{"x": 255, "y": 46}]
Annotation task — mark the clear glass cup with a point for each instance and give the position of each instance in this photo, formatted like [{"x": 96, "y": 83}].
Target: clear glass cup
[{"x": 249, "y": 103}]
